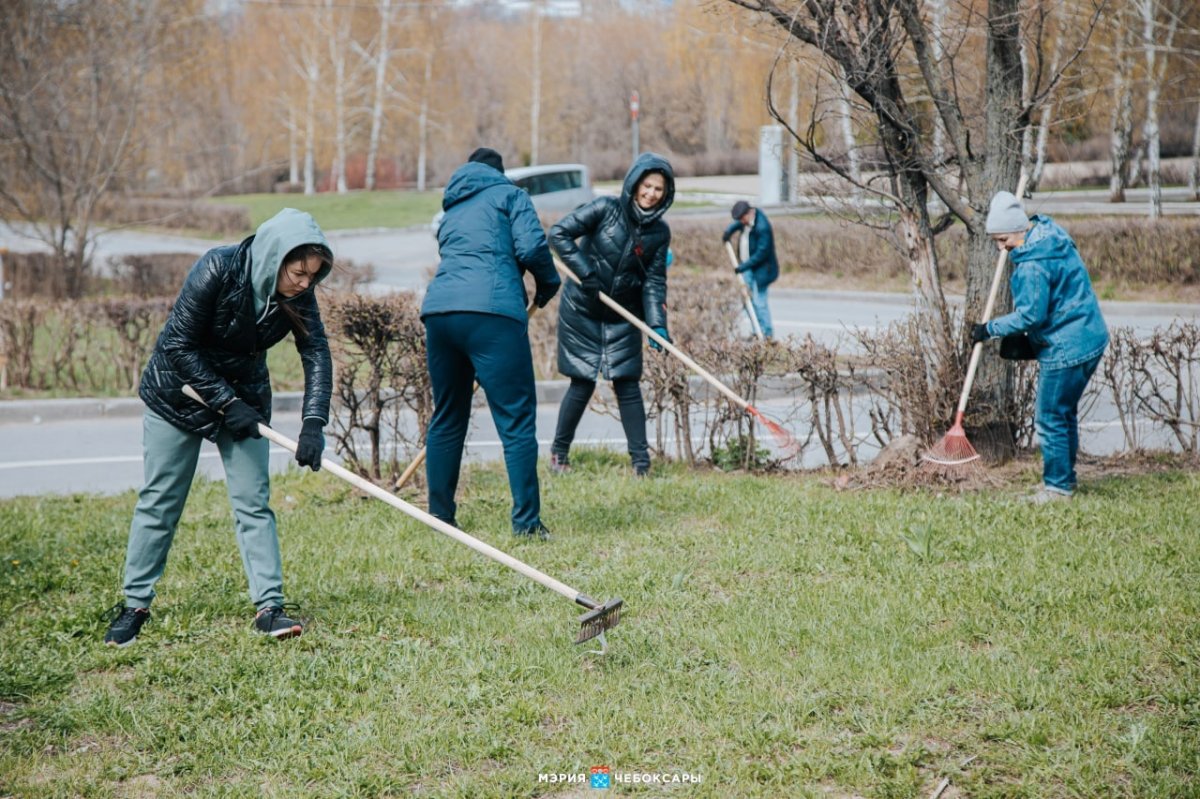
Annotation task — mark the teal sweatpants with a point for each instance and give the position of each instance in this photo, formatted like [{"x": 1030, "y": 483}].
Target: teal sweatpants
[{"x": 169, "y": 459}]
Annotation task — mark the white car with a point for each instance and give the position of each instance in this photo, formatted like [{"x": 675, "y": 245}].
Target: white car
[{"x": 552, "y": 187}]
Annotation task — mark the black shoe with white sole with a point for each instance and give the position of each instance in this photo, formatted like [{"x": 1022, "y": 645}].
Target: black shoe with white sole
[
  {"x": 276, "y": 623},
  {"x": 126, "y": 624}
]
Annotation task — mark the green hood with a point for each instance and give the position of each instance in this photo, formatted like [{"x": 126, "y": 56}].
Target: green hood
[{"x": 273, "y": 240}]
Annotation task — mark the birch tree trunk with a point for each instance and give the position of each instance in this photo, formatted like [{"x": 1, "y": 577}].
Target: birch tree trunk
[
  {"x": 423, "y": 120},
  {"x": 535, "y": 103},
  {"x": 937, "y": 23},
  {"x": 1149, "y": 10},
  {"x": 339, "y": 35},
  {"x": 1194, "y": 175},
  {"x": 853, "y": 163},
  {"x": 312, "y": 79},
  {"x": 381, "y": 62},
  {"x": 293, "y": 147},
  {"x": 793, "y": 166},
  {"x": 1120, "y": 143},
  {"x": 1045, "y": 120}
]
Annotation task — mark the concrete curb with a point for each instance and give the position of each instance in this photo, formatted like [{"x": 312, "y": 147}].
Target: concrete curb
[
  {"x": 64, "y": 410},
  {"x": 549, "y": 392}
]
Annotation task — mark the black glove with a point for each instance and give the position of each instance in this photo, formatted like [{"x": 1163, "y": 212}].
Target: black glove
[
  {"x": 979, "y": 333},
  {"x": 544, "y": 294},
  {"x": 311, "y": 444},
  {"x": 726, "y": 236},
  {"x": 242, "y": 420},
  {"x": 741, "y": 268},
  {"x": 591, "y": 285}
]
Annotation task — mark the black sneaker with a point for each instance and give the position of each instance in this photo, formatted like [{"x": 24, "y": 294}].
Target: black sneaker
[
  {"x": 276, "y": 623},
  {"x": 126, "y": 624},
  {"x": 537, "y": 531}
]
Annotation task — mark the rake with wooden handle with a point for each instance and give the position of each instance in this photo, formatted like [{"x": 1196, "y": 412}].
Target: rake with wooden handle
[
  {"x": 530, "y": 309},
  {"x": 600, "y": 616},
  {"x": 954, "y": 450},
  {"x": 785, "y": 441},
  {"x": 747, "y": 303}
]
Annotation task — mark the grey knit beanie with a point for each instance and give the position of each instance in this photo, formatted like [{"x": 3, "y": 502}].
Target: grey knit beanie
[{"x": 1006, "y": 214}]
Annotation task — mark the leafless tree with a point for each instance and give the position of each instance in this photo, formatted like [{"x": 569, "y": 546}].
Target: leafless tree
[
  {"x": 72, "y": 79},
  {"x": 886, "y": 52}
]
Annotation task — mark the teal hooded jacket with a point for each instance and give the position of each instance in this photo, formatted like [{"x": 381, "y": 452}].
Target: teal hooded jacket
[
  {"x": 1053, "y": 301},
  {"x": 489, "y": 237}
]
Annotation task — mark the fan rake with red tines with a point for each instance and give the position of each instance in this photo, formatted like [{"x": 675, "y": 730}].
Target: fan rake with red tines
[{"x": 954, "y": 451}]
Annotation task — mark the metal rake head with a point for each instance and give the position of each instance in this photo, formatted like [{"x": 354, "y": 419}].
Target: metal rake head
[{"x": 598, "y": 619}]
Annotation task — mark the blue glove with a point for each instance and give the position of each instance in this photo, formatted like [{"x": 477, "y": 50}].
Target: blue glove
[
  {"x": 662, "y": 331},
  {"x": 741, "y": 268}
]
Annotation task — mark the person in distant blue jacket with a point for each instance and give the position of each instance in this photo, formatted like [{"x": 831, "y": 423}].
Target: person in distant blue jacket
[
  {"x": 476, "y": 328},
  {"x": 1054, "y": 305},
  {"x": 761, "y": 268}
]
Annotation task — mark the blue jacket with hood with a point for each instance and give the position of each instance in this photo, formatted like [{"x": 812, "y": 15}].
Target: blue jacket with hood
[
  {"x": 225, "y": 319},
  {"x": 489, "y": 237},
  {"x": 1053, "y": 299}
]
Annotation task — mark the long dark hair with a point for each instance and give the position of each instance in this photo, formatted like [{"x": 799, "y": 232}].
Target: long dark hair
[{"x": 303, "y": 253}]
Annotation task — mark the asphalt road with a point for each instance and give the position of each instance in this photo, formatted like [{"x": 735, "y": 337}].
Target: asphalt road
[{"x": 103, "y": 454}]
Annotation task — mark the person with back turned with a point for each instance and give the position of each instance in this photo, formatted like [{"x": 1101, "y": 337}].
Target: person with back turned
[{"x": 476, "y": 328}]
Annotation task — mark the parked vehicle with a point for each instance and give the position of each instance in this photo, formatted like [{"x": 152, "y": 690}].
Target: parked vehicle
[{"x": 552, "y": 187}]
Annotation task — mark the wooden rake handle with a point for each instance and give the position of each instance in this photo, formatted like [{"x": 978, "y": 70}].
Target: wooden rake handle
[
  {"x": 367, "y": 487},
  {"x": 977, "y": 350},
  {"x": 666, "y": 345},
  {"x": 746, "y": 301}
]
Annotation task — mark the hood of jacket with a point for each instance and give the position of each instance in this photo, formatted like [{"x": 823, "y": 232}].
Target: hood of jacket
[
  {"x": 648, "y": 162},
  {"x": 273, "y": 240},
  {"x": 470, "y": 179},
  {"x": 1044, "y": 241}
]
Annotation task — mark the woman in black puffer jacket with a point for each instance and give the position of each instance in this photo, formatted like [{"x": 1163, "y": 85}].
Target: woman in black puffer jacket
[
  {"x": 238, "y": 301},
  {"x": 619, "y": 247}
]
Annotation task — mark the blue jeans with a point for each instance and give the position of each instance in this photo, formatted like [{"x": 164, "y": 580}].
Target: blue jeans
[
  {"x": 758, "y": 299},
  {"x": 1059, "y": 391},
  {"x": 462, "y": 347}
]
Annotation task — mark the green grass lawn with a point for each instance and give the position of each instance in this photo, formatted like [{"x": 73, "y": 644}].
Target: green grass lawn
[
  {"x": 781, "y": 639},
  {"x": 357, "y": 209}
]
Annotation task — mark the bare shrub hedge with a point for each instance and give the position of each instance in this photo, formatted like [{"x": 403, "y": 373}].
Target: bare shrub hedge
[
  {"x": 1119, "y": 251},
  {"x": 842, "y": 400}
]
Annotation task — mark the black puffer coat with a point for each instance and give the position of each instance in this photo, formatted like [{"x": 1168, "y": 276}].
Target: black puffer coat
[
  {"x": 630, "y": 258},
  {"x": 213, "y": 343}
]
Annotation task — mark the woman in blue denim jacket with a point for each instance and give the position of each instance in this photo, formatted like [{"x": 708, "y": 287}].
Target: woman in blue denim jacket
[{"x": 1053, "y": 303}]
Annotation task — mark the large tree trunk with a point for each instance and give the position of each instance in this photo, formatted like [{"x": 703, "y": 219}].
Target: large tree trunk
[{"x": 989, "y": 416}]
